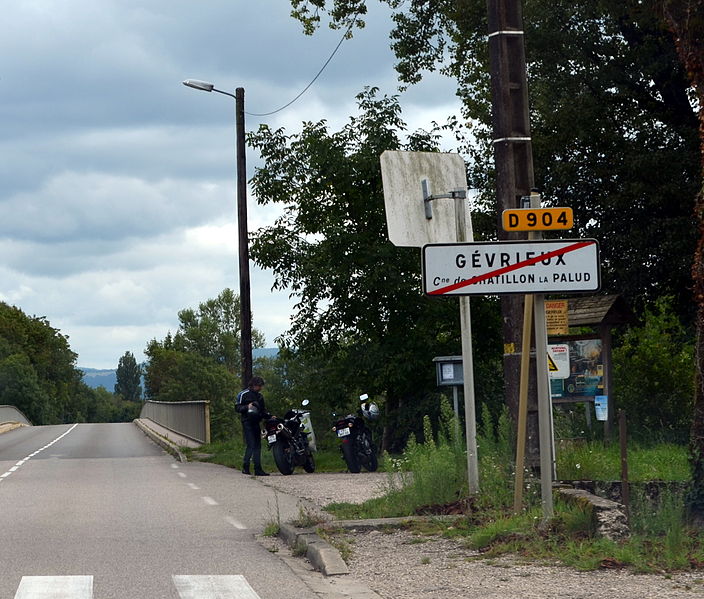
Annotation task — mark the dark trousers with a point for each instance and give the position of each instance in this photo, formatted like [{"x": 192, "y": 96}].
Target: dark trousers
[{"x": 253, "y": 440}]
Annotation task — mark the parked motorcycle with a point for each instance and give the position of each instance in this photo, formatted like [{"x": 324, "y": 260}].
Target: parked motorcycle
[
  {"x": 357, "y": 445},
  {"x": 291, "y": 440}
]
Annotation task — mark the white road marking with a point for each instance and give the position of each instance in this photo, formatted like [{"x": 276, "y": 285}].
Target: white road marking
[
  {"x": 210, "y": 501},
  {"x": 235, "y": 523},
  {"x": 55, "y": 587},
  {"x": 181, "y": 474},
  {"x": 31, "y": 455},
  {"x": 193, "y": 486},
  {"x": 214, "y": 587},
  {"x": 174, "y": 466}
]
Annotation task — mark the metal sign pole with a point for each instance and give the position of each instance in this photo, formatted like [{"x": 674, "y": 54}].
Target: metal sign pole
[
  {"x": 470, "y": 416},
  {"x": 543, "y": 385}
]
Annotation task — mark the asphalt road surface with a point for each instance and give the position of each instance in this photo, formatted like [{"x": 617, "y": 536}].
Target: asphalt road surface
[{"x": 98, "y": 510}]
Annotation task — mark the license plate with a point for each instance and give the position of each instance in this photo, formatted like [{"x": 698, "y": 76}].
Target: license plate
[
  {"x": 271, "y": 438},
  {"x": 343, "y": 432}
]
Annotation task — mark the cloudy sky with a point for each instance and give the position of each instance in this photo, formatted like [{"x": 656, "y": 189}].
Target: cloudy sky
[{"x": 117, "y": 204}]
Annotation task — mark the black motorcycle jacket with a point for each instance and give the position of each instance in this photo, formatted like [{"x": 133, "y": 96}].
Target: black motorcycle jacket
[{"x": 247, "y": 397}]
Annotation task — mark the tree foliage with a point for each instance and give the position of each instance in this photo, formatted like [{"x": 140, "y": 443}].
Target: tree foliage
[
  {"x": 361, "y": 322},
  {"x": 200, "y": 361},
  {"x": 654, "y": 375},
  {"x": 129, "y": 378},
  {"x": 612, "y": 115},
  {"x": 38, "y": 375}
]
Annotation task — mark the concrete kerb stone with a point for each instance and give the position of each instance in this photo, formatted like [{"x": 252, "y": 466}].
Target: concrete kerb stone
[
  {"x": 161, "y": 441},
  {"x": 323, "y": 556}
]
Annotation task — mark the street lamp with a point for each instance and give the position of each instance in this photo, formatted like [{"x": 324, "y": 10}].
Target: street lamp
[{"x": 245, "y": 305}]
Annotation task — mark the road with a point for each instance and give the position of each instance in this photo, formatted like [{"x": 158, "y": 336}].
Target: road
[{"x": 100, "y": 506}]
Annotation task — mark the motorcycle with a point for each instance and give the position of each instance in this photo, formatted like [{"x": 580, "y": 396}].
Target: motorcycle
[
  {"x": 357, "y": 445},
  {"x": 291, "y": 440}
]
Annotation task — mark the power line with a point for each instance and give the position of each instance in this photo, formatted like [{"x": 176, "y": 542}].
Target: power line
[{"x": 305, "y": 89}]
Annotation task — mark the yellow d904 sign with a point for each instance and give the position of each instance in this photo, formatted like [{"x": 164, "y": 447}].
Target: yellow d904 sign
[{"x": 537, "y": 219}]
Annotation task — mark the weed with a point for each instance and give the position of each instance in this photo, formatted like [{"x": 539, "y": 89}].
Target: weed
[
  {"x": 307, "y": 518},
  {"x": 299, "y": 549},
  {"x": 271, "y": 529},
  {"x": 425, "y": 560}
]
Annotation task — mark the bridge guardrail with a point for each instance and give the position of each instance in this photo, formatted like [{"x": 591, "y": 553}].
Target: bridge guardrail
[
  {"x": 12, "y": 414},
  {"x": 188, "y": 418}
]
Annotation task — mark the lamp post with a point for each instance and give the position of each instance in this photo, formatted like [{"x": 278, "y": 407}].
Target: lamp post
[{"x": 245, "y": 304}]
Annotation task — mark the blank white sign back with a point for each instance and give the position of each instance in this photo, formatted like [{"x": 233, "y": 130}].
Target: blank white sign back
[{"x": 402, "y": 174}]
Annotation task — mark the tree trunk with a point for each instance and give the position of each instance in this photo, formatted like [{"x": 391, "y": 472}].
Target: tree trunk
[{"x": 685, "y": 18}]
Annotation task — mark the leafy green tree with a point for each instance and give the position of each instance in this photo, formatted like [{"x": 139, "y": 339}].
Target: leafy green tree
[
  {"x": 20, "y": 387},
  {"x": 201, "y": 360},
  {"x": 37, "y": 368},
  {"x": 361, "y": 323},
  {"x": 654, "y": 375},
  {"x": 213, "y": 331},
  {"x": 129, "y": 378},
  {"x": 613, "y": 119}
]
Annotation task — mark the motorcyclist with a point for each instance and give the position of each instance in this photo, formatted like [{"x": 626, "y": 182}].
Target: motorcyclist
[{"x": 252, "y": 409}]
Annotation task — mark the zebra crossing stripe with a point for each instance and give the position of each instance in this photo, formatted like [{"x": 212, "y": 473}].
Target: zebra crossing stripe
[
  {"x": 55, "y": 587},
  {"x": 214, "y": 587}
]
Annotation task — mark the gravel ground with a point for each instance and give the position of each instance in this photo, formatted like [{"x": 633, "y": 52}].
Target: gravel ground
[{"x": 401, "y": 565}]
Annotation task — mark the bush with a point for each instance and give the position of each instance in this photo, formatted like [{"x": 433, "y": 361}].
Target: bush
[{"x": 654, "y": 375}]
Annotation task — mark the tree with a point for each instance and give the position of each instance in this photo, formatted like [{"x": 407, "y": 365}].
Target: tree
[
  {"x": 37, "y": 368},
  {"x": 129, "y": 378},
  {"x": 654, "y": 375},
  {"x": 686, "y": 21},
  {"x": 213, "y": 331},
  {"x": 361, "y": 322},
  {"x": 201, "y": 360},
  {"x": 613, "y": 125}
]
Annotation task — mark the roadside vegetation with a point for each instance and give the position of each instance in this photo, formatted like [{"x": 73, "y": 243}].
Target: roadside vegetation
[{"x": 430, "y": 479}]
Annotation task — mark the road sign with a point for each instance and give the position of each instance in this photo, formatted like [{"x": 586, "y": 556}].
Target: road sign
[
  {"x": 537, "y": 219},
  {"x": 556, "y": 317},
  {"x": 489, "y": 268},
  {"x": 559, "y": 361},
  {"x": 402, "y": 176}
]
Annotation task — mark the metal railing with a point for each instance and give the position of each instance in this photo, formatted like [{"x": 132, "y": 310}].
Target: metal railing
[
  {"x": 12, "y": 414},
  {"x": 187, "y": 418}
]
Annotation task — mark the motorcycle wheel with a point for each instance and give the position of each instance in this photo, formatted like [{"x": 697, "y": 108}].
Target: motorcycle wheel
[
  {"x": 349, "y": 453},
  {"x": 309, "y": 464},
  {"x": 371, "y": 463},
  {"x": 282, "y": 457}
]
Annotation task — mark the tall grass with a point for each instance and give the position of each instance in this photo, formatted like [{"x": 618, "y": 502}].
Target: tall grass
[{"x": 595, "y": 461}]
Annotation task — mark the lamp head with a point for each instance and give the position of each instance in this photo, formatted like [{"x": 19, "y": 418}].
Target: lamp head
[{"x": 201, "y": 85}]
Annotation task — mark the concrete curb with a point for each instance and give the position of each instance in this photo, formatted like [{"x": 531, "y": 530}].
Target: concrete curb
[
  {"x": 161, "y": 441},
  {"x": 323, "y": 556},
  {"x": 6, "y": 427}
]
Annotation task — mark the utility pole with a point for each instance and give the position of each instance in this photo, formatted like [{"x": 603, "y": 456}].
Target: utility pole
[
  {"x": 245, "y": 301},
  {"x": 514, "y": 177}
]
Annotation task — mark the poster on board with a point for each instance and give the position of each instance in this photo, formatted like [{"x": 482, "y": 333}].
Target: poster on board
[{"x": 585, "y": 378}]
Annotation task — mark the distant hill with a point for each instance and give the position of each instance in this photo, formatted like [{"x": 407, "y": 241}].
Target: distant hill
[
  {"x": 265, "y": 352},
  {"x": 95, "y": 377}
]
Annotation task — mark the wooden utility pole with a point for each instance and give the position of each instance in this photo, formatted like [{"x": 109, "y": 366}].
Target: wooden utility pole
[
  {"x": 514, "y": 178},
  {"x": 243, "y": 242}
]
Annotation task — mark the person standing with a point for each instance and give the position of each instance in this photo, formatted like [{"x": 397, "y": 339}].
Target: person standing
[{"x": 252, "y": 409}]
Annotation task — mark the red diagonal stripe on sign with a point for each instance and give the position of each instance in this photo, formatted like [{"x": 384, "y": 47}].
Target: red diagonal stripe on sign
[{"x": 500, "y": 271}]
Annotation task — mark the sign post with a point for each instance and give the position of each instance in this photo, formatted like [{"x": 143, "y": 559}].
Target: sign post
[{"x": 412, "y": 180}]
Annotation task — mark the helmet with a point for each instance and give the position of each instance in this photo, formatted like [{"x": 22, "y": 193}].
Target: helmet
[{"x": 370, "y": 411}]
